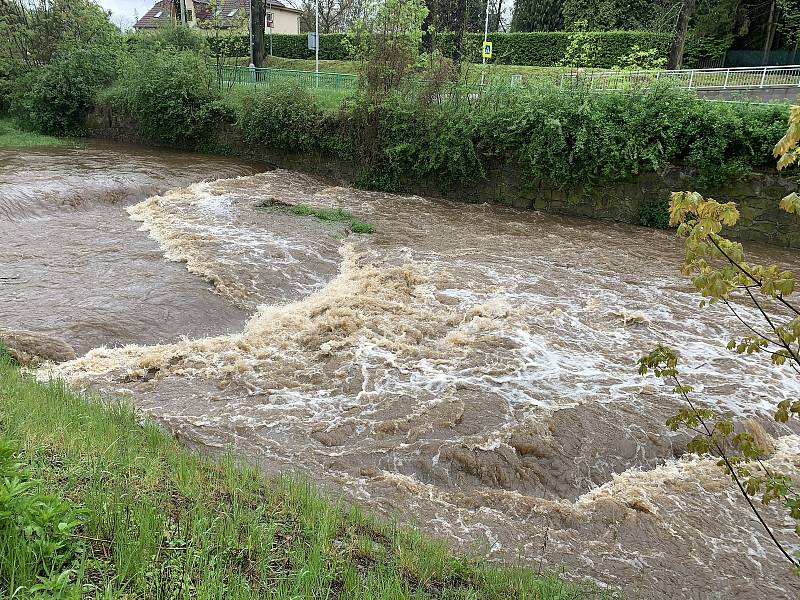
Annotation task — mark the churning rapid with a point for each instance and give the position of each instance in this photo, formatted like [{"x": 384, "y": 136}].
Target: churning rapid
[{"x": 468, "y": 368}]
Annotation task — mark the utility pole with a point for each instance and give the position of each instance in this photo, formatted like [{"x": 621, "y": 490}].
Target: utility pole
[
  {"x": 485, "y": 39},
  {"x": 250, "y": 30}
]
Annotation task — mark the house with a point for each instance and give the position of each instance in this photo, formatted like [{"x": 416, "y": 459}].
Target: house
[{"x": 225, "y": 14}]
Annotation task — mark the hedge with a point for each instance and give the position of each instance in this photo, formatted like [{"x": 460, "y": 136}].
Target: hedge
[
  {"x": 331, "y": 47},
  {"x": 538, "y": 48},
  {"x": 547, "y": 48}
]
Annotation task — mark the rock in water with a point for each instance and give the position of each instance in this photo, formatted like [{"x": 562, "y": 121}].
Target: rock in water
[{"x": 29, "y": 348}]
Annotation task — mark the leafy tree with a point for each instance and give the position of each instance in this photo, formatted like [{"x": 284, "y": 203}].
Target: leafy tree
[
  {"x": 603, "y": 15},
  {"x": 388, "y": 45},
  {"x": 56, "y": 55},
  {"x": 789, "y": 25},
  {"x": 335, "y": 16},
  {"x": 638, "y": 59},
  {"x": 538, "y": 15},
  {"x": 582, "y": 49},
  {"x": 35, "y": 32},
  {"x": 721, "y": 273}
]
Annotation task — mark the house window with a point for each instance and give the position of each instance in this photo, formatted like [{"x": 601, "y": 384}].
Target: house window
[
  {"x": 158, "y": 14},
  {"x": 188, "y": 15},
  {"x": 270, "y": 21}
]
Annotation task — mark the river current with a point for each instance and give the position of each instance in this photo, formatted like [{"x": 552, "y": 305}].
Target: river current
[{"x": 469, "y": 368}]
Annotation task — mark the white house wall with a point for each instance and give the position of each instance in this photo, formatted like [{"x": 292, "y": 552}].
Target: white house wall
[{"x": 284, "y": 21}]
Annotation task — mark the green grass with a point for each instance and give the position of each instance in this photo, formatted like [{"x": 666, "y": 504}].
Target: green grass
[
  {"x": 124, "y": 511},
  {"x": 329, "y": 100},
  {"x": 12, "y": 135},
  {"x": 300, "y": 64},
  {"x": 494, "y": 72},
  {"x": 356, "y": 225}
]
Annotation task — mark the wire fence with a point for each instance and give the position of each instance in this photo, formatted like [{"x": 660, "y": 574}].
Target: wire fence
[
  {"x": 265, "y": 77},
  {"x": 693, "y": 79}
]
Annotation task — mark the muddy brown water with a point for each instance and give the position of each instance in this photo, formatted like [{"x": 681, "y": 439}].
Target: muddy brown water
[{"x": 468, "y": 368}]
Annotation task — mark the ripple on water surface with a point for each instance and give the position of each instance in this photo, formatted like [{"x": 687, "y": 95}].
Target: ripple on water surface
[
  {"x": 74, "y": 265},
  {"x": 472, "y": 367}
]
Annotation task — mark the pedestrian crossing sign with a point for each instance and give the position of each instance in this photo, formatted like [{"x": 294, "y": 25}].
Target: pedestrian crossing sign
[{"x": 487, "y": 49}]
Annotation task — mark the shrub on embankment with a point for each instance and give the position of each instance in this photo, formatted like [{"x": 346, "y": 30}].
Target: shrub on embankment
[
  {"x": 566, "y": 138},
  {"x": 558, "y": 137},
  {"x": 562, "y": 138},
  {"x": 164, "y": 86},
  {"x": 171, "y": 95}
]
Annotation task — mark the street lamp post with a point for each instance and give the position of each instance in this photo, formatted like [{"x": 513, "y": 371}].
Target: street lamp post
[
  {"x": 485, "y": 38},
  {"x": 270, "y": 23},
  {"x": 250, "y": 28}
]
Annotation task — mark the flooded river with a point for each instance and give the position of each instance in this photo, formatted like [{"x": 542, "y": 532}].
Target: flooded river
[{"x": 468, "y": 368}]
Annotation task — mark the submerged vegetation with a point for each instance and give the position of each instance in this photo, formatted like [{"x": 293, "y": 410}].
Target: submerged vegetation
[
  {"x": 95, "y": 504},
  {"x": 336, "y": 215}
]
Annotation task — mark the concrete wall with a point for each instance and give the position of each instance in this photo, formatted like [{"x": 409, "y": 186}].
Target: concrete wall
[
  {"x": 757, "y": 196},
  {"x": 789, "y": 93}
]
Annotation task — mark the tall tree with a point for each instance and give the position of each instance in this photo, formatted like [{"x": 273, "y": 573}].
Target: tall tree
[
  {"x": 459, "y": 24},
  {"x": 604, "y": 15},
  {"x": 538, "y": 15},
  {"x": 334, "y": 15},
  {"x": 789, "y": 27},
  {"x": 677, "y": 47},
  {"x": 258, "y": 16}
]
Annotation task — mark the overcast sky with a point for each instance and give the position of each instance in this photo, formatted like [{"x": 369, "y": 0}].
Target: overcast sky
[{"x": 123, "y": 11}]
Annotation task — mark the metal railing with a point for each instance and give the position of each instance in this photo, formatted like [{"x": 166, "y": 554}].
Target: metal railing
[
  {"x": 267, "y": 76},
  {"x": 694, "y": 79}
]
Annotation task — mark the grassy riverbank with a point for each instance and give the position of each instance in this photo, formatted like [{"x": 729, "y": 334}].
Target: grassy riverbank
[
  {"x": 125, "y": 511},
  {"x": 12, "y": 135}
]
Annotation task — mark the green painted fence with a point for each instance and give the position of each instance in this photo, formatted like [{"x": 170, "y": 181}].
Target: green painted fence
[{"x": 247, "y": 76}]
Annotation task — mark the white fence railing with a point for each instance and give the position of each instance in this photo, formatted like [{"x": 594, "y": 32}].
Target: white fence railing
[{"x": 694, "y": 79}]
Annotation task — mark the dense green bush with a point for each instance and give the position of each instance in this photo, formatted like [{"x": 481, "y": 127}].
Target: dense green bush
[
  {"x": 282, "y": 116},
  {"x": 547, "y": 48},
  {"x": 573, "y": 138},
  {"x": 332, "y": 46},
  {"x": 55, "y": 98},
  {"x": 539, "y": 48},
  {"x": 288, "y": 117},
  {"x": 175, "y": 38},
  {"x": 9, "y": 73},
  {"x": 171, "y": 95},
  {"x": 429, "y": 142}
]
